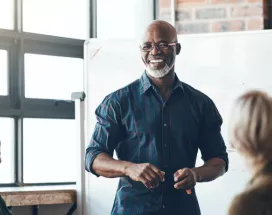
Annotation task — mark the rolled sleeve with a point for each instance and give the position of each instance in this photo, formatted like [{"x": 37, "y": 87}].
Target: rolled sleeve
[
  {"x": 107, "y": 132},
  {"x": 212, "y": 144}
]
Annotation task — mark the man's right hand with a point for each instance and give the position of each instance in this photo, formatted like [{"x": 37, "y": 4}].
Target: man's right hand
[{"x": 146, "y": 173}]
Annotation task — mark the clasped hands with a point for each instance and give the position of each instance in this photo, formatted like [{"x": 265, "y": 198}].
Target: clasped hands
[{"x": 151, "y": 176}]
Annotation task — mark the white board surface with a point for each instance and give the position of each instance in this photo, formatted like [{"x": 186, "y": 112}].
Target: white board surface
[{"x": 220, "y": 65}]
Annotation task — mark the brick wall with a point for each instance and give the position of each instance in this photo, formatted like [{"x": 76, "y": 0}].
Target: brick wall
[{"x": 203, "y": 16}]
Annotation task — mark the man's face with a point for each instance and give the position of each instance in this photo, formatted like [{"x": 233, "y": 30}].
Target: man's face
[{"x": 160, "y": 59}]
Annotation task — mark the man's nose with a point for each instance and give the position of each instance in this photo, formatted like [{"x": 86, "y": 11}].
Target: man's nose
[{"x": 155, "y": 50}]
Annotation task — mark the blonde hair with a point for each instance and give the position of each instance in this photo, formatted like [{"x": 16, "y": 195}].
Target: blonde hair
[{"x": 250, "y": 129}]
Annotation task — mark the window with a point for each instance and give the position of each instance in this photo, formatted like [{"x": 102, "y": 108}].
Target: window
[
  {"x": 41, "y": 64},
  {"x": 52, "y": 77},
  {"x": 6, "y": 14},
  {"x": 51, "y": 144},
  {"x": 3, "y": 73},
  {"x": 66, "y": 18},
  {"x": 7, "y": 150}
]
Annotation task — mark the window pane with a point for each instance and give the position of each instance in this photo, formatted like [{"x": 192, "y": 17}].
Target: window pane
[
  {"x": 51, "y": 77},
  {"x": 3, "y": 72},
  {"x": 7, "y": 150},
  {"x": 66, "y": 18},
  {"x": 49, "y": 151},
  {"x": 6, "y": 14}
]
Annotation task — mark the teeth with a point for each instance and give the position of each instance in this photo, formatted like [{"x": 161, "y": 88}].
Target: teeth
[{"x": 156, "y": 61}]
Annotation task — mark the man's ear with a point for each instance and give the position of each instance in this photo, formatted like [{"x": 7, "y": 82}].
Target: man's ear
[{"x": 178, "y": 48}]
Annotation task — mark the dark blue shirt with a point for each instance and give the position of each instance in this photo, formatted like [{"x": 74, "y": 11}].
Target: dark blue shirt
[{"x": 142, "y": 128}]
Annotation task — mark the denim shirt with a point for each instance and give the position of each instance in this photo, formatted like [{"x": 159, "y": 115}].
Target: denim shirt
[{"x": 143, "y": 128}]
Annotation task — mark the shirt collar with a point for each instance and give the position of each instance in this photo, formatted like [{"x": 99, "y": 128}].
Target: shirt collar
[
  {"x": 178, "y": 84},
  {"x": 145, "y": 83}
]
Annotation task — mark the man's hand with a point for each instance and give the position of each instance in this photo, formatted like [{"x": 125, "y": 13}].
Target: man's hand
[
  {"x": 184, "y": 179},
  {"x": 146, "y": 173}
]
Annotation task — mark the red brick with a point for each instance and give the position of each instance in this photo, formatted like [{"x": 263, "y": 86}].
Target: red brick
[
  {"x": 187, "y": 3},
  {"x": 255, "y": 24},
  {"x": 261, "y": 1},
  {"x": 193, "y": 27},
  {"x": 227, "y": 1},
  {"x": 225, "y": 26},
  {"x": 247, "y": 10},
  {"x": 191, "y": 1},
  {"x": 211, "y": 13},
  {"x": 267, "y": 6},
  {"x": 183, "y": 15}
]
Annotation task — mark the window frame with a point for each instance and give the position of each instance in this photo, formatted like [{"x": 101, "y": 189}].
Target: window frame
[
  {"x": 267, "y": 10},
  {"x": 18, "y": 43}
]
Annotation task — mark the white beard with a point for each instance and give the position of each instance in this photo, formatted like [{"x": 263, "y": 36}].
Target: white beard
[{"x": 158, "y": 73}]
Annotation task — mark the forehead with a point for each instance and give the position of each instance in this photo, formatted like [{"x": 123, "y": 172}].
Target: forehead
[{"x": 157, "y": 33}]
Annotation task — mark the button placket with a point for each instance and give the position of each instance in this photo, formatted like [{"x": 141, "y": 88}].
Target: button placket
[{"x": 165, "y": 137}]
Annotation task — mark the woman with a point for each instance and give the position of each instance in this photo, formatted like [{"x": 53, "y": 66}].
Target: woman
[
  {"x": 251, "y": 136},
  {"x": 3, "y": 208}
]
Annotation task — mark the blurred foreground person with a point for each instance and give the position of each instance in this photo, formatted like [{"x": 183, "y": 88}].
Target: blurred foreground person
[{"x": 251, "y": 136}]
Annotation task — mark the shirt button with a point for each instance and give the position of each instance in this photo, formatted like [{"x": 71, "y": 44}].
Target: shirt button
[
  {"x": 163, "y": 207},
  {"x": 165, "y": 125},
  {"x": 165, "y": 145}
]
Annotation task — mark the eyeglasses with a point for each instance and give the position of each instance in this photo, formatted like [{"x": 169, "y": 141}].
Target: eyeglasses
[{"x": 160, "y": 47}]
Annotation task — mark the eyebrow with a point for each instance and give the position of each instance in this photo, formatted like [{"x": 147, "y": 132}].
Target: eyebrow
[{"x": 162, "y": 41}]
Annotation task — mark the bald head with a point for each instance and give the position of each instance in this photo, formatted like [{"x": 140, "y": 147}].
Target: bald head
[
  {"x": 159, "y": 49},
  {"x": 160, "y": 30}
]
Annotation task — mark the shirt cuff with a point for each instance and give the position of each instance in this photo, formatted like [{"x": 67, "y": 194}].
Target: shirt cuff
[{"x": 89, "y": 159}]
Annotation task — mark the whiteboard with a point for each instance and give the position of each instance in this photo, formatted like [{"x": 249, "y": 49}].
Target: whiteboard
[{"x": 222, "y": 65}]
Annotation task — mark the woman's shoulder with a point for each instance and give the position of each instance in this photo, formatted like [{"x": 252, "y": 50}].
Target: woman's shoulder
[{"x": 254, "y": 200}]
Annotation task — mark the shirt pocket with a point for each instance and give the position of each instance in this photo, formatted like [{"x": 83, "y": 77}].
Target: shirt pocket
[
  {"x": 138, "y": 138},
  {"x": 136, "y": 123}
]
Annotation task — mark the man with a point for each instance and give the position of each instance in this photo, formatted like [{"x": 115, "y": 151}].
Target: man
[
  {"x": 3, "y": 208},
  {"x": 156, "y": 125}
]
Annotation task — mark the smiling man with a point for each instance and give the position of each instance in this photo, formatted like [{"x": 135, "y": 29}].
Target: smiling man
[{"x": 156, "y": 125}]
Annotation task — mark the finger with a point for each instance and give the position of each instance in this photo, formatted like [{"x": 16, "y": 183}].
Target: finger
[
  {"x": 189, "y": 191},
  {"x": 158, "y": 172},
  {"x": 162, "y": 178},
  {"x": 145, "y": 182},
  {"x": 152, "y": 178},
  {"x": 185, "y": 184},
  {"x": 181, "y": 174}
]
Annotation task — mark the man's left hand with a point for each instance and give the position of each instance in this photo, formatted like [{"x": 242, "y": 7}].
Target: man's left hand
[{"x": 184, "y": 179}]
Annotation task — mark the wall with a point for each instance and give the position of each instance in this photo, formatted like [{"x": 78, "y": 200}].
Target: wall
[
  {"x": 203, "y": 16},
  {"x": 123, "y": 18}
]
